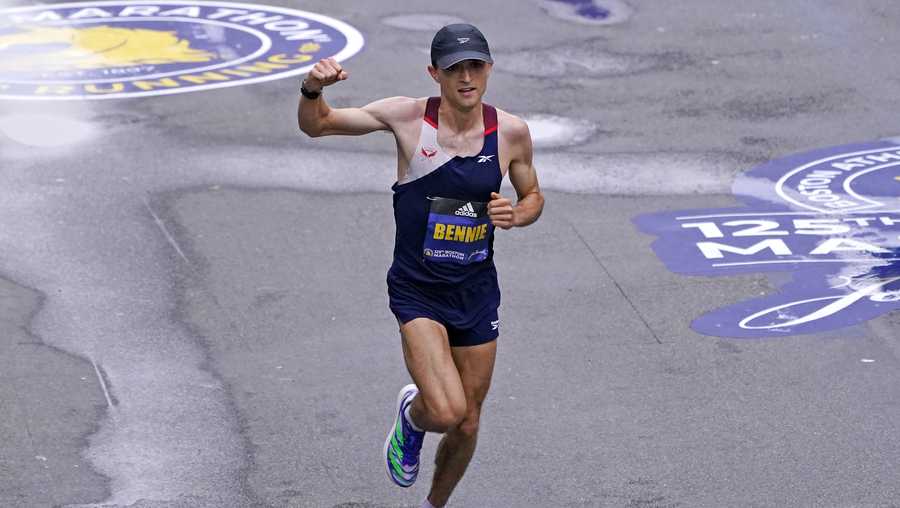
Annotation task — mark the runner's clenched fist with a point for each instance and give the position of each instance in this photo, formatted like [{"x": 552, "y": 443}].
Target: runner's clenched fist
[
  {"x": 327, "y": 72},
  {"x": 501, "y": 211}
]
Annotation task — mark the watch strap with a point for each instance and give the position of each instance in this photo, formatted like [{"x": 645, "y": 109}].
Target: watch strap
[{"x": 308, "y": 94}]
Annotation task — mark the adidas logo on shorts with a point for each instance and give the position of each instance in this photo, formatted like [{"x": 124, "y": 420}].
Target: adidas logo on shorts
[{"x": 467, "y": 210}]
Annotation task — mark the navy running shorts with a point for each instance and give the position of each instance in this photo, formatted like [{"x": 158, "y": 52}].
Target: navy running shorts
[{"x": 469, "y": 313}]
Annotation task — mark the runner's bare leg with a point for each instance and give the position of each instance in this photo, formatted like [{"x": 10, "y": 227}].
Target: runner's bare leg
[
  {"x": 475, "y": 365},
  {"x": 441, "y": 403}
]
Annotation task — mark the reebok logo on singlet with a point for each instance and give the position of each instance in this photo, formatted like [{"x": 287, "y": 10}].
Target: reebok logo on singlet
[{"x": 467, "y": 210}]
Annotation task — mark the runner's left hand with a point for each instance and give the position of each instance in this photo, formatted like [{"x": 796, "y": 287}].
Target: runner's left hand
[{"x": 501, "y": 211}]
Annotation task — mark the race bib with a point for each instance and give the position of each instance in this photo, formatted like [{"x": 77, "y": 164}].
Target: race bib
[{"x": 457, "y": 231}]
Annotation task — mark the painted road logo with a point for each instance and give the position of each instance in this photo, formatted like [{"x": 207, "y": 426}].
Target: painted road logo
[
  {"x": 831, "y": 217},
  {"x": 115, "y": 49}
]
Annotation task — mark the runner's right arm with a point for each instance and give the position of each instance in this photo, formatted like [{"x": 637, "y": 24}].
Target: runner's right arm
[{"x": 316, "y": 118}]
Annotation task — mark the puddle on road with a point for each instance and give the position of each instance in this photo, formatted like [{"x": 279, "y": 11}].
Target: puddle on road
[
  {"x": 105, "y": 272},
  {"x": 421, "y": 22},
  {"x": 48, "y": 386},
  {"x": 94, "y": 250}
]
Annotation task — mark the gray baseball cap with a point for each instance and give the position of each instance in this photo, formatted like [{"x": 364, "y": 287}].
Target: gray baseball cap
[{"x": 458, "y": 42}]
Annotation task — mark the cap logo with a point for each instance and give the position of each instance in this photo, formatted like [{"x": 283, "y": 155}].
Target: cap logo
[{"x": 462, "y": 40}]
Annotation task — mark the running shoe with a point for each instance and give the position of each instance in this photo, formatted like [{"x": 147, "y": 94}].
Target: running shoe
[{"x": 401, "y": 448}]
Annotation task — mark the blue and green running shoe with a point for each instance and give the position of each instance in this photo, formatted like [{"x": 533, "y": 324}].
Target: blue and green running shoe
[{"x": 401, "y": 448}]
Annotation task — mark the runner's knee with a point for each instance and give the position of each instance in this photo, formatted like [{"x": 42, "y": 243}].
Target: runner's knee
[
  {"x": 445, "y": 412},
  {"x": 468, "y": 426}
]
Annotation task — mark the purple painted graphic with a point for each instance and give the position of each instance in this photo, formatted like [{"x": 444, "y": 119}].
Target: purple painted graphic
[
  {"x": 588, "y": 12},
  {"x": 831, "y": 217},
  {"x": 586, "y": 8}
]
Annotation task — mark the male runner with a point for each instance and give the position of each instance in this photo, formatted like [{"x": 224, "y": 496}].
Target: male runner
[{"x": 452, "y": 154}]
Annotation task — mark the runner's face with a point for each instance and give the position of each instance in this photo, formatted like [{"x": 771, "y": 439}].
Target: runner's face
[{"x": 464, "y": 82}]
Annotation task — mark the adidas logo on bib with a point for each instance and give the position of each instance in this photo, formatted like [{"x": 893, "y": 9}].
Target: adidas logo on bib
[{"x": 466, "y": 210}]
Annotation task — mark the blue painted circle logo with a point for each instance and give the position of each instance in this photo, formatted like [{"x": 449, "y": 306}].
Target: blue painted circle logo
[
  {"x": 116, "y": 49},
  {"x": 831, "y": 217}
]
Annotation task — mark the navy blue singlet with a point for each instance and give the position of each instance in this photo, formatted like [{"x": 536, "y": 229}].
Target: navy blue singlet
[{"x": 444, "y": 238}]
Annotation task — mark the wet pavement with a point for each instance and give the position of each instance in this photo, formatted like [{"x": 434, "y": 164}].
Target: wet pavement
[{"x": 192, "y": 300}]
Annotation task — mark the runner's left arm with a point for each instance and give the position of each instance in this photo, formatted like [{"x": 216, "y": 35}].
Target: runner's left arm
[{"x": 524, "y": 179}]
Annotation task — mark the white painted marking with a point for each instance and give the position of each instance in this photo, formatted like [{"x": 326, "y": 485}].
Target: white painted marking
[
  {"x": 635, "y": 173},
  {"x": 552, "y": 131},
  {"x": 45, "y": 131},
  {"x": 766, "y": 214},
  {"x": 874, "y": 261},
  {"x": 867, "y": 360},
  {"x": 165, "y": 231},
  {"x": 102, "y": 384},
  {"x": 779, "y": 185},
  {"x": 847, "y": 182},
  {"x": 669, "y": 173},
  {"x": 873, "y": 292}
]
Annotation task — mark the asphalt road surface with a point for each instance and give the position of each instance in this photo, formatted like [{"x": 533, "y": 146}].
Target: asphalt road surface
[{"x": 193, "y": 310}]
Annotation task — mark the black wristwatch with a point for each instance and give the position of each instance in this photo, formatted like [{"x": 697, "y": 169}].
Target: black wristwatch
[{"x": 306, "y": 93}]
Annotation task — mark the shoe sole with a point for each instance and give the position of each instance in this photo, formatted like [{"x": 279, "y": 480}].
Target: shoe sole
[{"x": 387, "y": 442}]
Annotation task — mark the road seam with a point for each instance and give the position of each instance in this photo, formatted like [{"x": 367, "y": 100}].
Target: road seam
[{"x": 608, "y": 274}]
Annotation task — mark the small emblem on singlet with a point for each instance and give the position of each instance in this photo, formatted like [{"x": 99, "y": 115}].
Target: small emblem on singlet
[
  {"x": 485, "y": 158},
  {"x": 466, "y": 210},
  {"x": 429, "y": 152}
]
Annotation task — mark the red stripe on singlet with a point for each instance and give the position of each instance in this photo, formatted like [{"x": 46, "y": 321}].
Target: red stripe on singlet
[
  {"x": 431, "y": 111},
  {"x": 490, "y": 118},
  {"x": 489, "y": 113}
]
